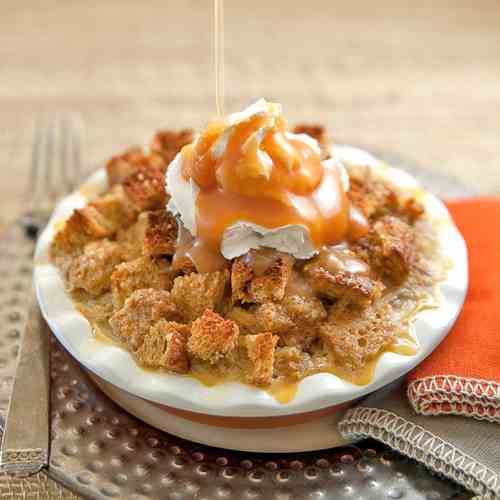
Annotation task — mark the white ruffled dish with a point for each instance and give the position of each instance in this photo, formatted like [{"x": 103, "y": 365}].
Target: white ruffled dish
[{"x": 316, "y": 392}]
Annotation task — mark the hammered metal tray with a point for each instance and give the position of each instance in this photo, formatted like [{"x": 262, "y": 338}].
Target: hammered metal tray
[{"x": 99, "y": 451}]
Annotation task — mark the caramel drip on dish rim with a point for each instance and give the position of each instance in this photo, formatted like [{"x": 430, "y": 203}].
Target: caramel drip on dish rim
[{"x": 285, "y": 391}]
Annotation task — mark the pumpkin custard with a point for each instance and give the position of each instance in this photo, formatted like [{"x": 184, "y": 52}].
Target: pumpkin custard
[{"x": 248, "y": 253}]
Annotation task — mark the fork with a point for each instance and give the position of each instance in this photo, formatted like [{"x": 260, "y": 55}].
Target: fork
[
  {"x": 53, "y": 173},
  {"x": 55, "y": 170}
]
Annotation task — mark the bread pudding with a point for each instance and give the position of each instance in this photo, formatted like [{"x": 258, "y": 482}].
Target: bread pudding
[{"x": 285, "y": 264}]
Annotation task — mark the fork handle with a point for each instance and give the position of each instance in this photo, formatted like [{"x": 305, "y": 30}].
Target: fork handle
[{"x": 25, "y": 445}]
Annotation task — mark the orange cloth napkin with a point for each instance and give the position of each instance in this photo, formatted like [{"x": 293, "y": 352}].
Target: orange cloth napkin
[{"x": 462, "y": 376}]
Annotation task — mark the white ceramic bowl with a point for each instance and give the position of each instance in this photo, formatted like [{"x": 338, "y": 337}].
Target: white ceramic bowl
[{"x": 317, "y": 392}]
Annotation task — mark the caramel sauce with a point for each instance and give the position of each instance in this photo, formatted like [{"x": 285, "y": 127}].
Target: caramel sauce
[
  {"x": 284, "y": 391},
  {"x": 358, "y": 224},
  {"x": 362, "y": 376},
  {"x": 209, "y": 378},
  {"x": 251, "y": 171},
  {"x": 205, "y": 259},
  {"x": 100, "y": 331},
  {"x": 102, "y": 337},
  {"x": 341, "y": 258},
  {"x": 217, "y": 210},
  {"x": 260, "y": 261},
  {"x": 404, "y": 345},
  {"x": 219, "y": 55},
  {"x": 281, "y": 391},
  {"x": 298, "y": 285}
]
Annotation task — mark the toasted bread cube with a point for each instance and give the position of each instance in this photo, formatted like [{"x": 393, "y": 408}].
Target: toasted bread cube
[
  {"x": 161, "y": 233},
  {"x": 305, "y": 313},
  {"x": 295, "y": 320},
  {"x": 100, "y": 219},
  {"x": 212, "y": 337},
  {"x": 165, "y": 347},
  {"x": 304, "y": 310},
  {"x": 91, "y": 271},
  {"x": 119, "y": 167},
  {"x": 393, "y": 240},
  {"x": 68, "y": 243},
  {"x": 411, "y": 208},
  {"x": 145, "y": 188},
  {"x": 84, "y": 225},
  {"x": 269, "y": 317},
  {"x": 376, "y": 197},
  {"x": 131, "y": 239},
  {"x": 241, "y": 280},
  {"x": 167, "y": 143},
  {"x": 388, "y": 247},
  {"x": 252, "y": 284},
  {"x": 141, "y": 311},
  {"x": 94, "y": 222},
  {"x": 350, "y": 287},
  {"x": 143, "y": 272},
  {"x": 370, "y": 194},
  {"x": 355, "y": 340},
  {"x": 316, "y": 132},
  {"x": 183, "y": 265},
  {"x": 244, "y": 318},
  {"x": 260, "y": 350},
  {"x": 194, "y": 293},
  {"x": 115, "y": 208},
  {"x": 154, "y": 234}
]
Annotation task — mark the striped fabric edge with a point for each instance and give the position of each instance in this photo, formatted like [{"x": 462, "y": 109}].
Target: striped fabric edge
[
  {"x": 424, "y": 446},
  {"x": 453, "y": 395}
]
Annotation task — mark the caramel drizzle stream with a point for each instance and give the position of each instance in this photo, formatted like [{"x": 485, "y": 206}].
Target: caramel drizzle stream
[{"x": 219, "y": 55}]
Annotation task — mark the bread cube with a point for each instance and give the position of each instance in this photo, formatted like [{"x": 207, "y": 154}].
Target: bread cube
[
  {"x": 140, "y": 312},
  {"x": 195, "y": 292},
  {"x": 143, "y": 272},
  {"x": 164, "y": 346},
  {"x": 260, "y": 350},
  {"x": 212, "y": 337}
]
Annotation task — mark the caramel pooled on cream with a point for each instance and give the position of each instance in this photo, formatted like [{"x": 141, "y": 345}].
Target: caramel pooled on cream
[{"x": 248, "y": 169}]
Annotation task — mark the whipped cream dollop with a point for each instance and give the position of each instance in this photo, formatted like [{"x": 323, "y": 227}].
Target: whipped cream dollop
[{"x": 243, "y": 235}]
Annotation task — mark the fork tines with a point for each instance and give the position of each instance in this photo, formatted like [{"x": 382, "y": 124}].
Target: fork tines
[{"x": 55, "y": 165}]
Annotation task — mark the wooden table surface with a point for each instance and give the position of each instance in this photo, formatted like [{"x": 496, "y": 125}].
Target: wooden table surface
[{"x": 421, "y": 79}]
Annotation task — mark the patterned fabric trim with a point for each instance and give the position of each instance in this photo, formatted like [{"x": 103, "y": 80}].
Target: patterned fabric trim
[
  {"x": 452, "y": 395},
  {"x": 422, "y": 445}
]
